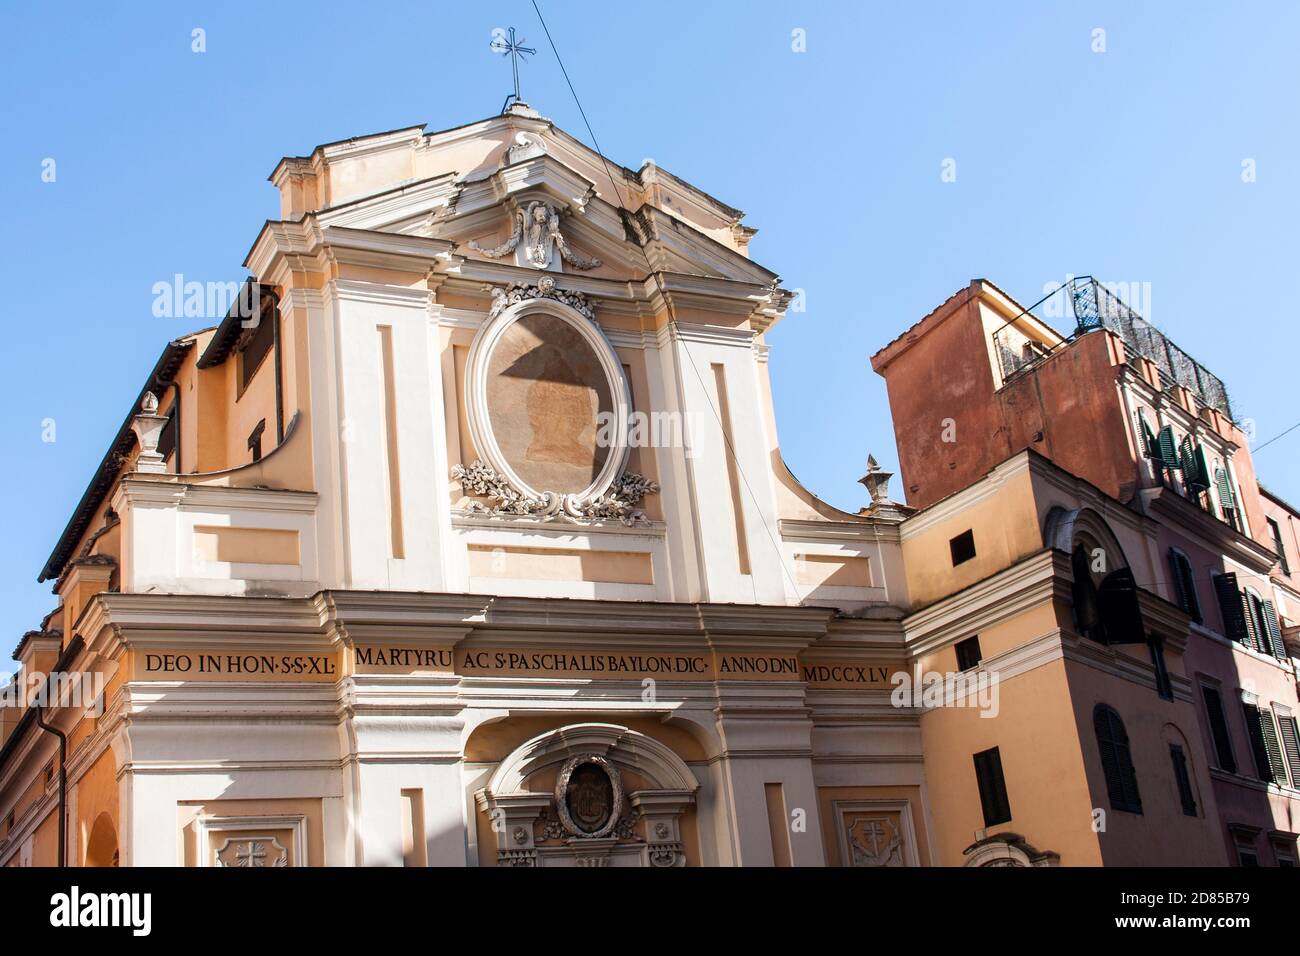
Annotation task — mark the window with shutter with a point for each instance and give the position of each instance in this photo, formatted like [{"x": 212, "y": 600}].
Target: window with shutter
[
  {"x": 1250, "y": 613},
  {"x": 1116, "y": 760},
  {"x": 1164, "y": 687},
  {"x": 1275, "y": 531},
  {"x": 167, "y": 438},
  {"x": 1227, "y": 499},
  {"x": 1187, "y": 459},
  {"x": 992, "y": 787},
  {"x": 1121, "y": 615},
  {"x": 1230, "y": 606},
  {"x": 1290, "y": 746},
  {"x": 1272, "y": 747},
  {"x": 1167, "y": 449},
  {"x": 254, "y": 345},
  {"x": 1183, "y": 779},
  {"x": 1258, "y": 744},
  {"x": 1185, "y": 584},
  {"x": 1087, "y": 614},
  {"x": 1218, "y": 721},
  {"x": 968, "y": 653},
  {"x": 1195, "y": 474},
  {"x": 1272, "y": 628},
  {"x": 1224, "y": 489},
  {"x": 1146, "y": 442}
]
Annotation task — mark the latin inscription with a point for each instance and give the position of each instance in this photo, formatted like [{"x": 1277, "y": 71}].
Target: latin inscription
[
  {"x": 236, "y": 666},
  {"x": 513, "y": 662}
]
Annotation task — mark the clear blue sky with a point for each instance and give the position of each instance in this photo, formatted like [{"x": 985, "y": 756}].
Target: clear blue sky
[{"x": 1124, "y": 164}]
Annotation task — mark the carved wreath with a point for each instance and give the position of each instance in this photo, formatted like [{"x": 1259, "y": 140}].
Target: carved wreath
[
  {"x": 544, "y": 288},
  {"x": 618, "y": 501}
]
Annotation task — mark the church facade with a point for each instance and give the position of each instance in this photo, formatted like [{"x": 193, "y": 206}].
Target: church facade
[{"x": 465, "y": 539}]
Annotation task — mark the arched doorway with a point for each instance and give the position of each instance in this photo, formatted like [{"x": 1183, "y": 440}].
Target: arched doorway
[{"x": 590, "y": 794}]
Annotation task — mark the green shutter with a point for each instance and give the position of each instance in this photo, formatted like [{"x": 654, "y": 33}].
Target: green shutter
[
  {"x": 1232, "y": 607},
  {"x": 1275, "y": 645},
  {"x": 1186, "y": 460},
  {"x": 1168, "y": 449},
  {"x": 1142, "y": 434},
  {"x": 1201, "y": 476},
  {"x": 1226, "y": 497}
]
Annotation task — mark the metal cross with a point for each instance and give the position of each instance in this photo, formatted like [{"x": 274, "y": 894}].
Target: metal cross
[{"x": 515, "y": 49}]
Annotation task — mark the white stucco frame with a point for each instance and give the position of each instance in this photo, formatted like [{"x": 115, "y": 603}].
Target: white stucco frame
[
  {"x": 251, "y": 828},
  {"x": 907, "y": 829},
  {"x": 476, "y": 385}
]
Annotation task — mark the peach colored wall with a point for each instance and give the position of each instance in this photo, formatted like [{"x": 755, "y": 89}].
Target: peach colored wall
[
  {"x": 1046, "y": 782},
  {"x": 97, "y": 792},
  {"x": 1004, "y": 532}
]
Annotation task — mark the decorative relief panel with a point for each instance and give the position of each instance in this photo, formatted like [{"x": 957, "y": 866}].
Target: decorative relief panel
[
  {"x": 876, "y": 833},
  {"x": 536, "y": 241},
  {"x": 252, "y": 851},
  {"x": 252, "y": 842}
]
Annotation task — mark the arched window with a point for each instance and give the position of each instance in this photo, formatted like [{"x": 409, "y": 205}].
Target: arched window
[{"x": 1116, "y": 760}]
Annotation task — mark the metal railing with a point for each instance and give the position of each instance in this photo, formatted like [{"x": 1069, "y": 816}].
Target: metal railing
[{"x": 1096, "y": 307}]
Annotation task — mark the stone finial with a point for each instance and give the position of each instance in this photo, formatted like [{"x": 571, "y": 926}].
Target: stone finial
[
  {"x": 148, "y": 426},
  {"x": 876, "y": 481}
]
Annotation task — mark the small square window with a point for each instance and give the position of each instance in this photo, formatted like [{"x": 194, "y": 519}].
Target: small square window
[
  {"x": 968, "y": 653},
  {"x": 962, "y": 547}
]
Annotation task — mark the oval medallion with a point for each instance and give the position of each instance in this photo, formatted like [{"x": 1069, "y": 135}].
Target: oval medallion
[
  {"x": 546, "y": 392},
  {"x": 589, "y": 795}
]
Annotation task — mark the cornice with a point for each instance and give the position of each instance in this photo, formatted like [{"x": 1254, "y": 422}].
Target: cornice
[
  {"x": 1217, "y": 536},
  {"x": 376, "y": 293},
  {"x": 308, "y": 245},
  {"x": 705, "y": 335},
  {"x": 958, "y": 502},
  {"x": 869, "y": 530},
  {"x": 1028, "y": 584},
  {"x": 146, "y": 492},
  {"x": 540, "y": 525}
]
